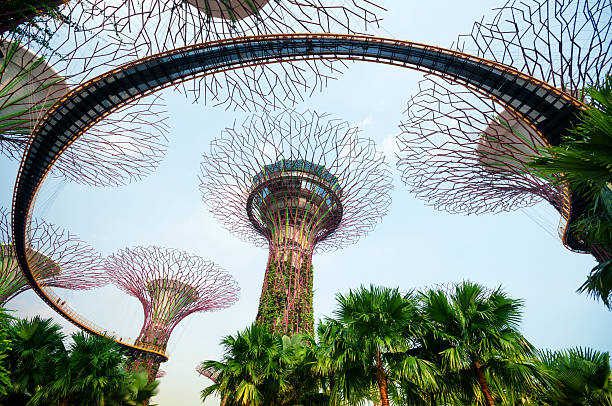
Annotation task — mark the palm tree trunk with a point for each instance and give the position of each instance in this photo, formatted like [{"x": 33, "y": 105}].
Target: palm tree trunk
[
  {"x": 482, "y": 380},
  {"x": 381, "y": 377}
]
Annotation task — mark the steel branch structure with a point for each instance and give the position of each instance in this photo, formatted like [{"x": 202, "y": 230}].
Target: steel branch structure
[
  {"x": 59, "y": 260},
  {"x": 41, "y": 63},
  {"x": 170, "y": 285},
  {"x": 545, "y": 108},
  {"x": 463, "y": 153},
  {"x": 294, "y": 183},
  {"x": 161, "y": 25},
  {"x": 566, "y": 43}
]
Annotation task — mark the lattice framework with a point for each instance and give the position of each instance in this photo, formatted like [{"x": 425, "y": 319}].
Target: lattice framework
[
  {"x": 566, "y": 43},
  {"x": 466, "y": 154},
  {"x": 159, "y": 25}
]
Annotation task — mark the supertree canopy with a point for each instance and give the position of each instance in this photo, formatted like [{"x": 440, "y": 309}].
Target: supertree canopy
[
  {"x": 170, "y": 285},
  {"x": 294, "y": 183},
  {"x": 464, "y": 153},
  {"x": 565, "y": 43},
  {"x": 42, "y": 62},
  {"x": 160, "y": 25},
  {"x": 61, "y": 259}
]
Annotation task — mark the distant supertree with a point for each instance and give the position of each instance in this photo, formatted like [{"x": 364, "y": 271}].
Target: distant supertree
[
  {"x": 467, "y": 154},
  {"x": 160, "y": 25},
  {"x": 39, "y": 64},
  {"x": 171, "y": 285},
  {"x": 61, "y": 260},
  {"x": 294, "y": 183},
  {"x": 209, "y": 373}
]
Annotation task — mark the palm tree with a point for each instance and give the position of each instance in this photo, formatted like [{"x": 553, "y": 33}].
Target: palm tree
[
  {"x": 375, "y": 321},
  {"x": 334, "y": 361},
  {"x": 94, "y": 371},
  {"x": 584, "y": 160},
  {"x": 255, "y": 368},
  {"x": 584, "y": 157},
  {"x": 37, "y": 348},
  {"x": 482, "y": 340},
  {"x": 5, "y": 348},
  {"x": 577, "y": 377}
]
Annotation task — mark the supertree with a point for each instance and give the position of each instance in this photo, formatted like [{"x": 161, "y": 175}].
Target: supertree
[
  {"x": 170, "y": 285},
  {"x": 61, "y": 259},
  {"x": 465, "y": 153},
  {"x": 295, "y": 183},
  {"x": 160, "y": 25},
  {"x": 39, "y": 63}
]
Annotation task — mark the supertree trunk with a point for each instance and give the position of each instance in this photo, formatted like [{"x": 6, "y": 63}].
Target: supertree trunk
[{"x": 285, "y": 305}]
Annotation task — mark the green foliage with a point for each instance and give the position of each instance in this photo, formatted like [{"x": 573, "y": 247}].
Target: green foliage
[
  {"x": 577, "y": 376},
  {"x": 5, "y": 348},
  {"x": 481, "y": 346},
  {"x": 273, "y": 304},
  {"x": 37, "y": 350},
  {"x": 30, "y": 18},
  {"x": 584, "y": 160},
  {"x": 599, "y": 283},
  {"x": 92, "y": 371},
  {"x": 427, "y": 347},
  {"x": 261, "y": 368}
]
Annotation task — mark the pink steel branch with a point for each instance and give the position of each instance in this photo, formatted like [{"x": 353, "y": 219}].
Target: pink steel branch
[
  {"x": 463, "y": 153},
  {"x": 62, "y": 260},
  {"x": 170, "y": 285},
  {"x": 295, "y": 183}
]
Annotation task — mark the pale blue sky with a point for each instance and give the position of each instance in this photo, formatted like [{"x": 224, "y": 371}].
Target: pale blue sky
[{"x": 414, "y": 246}]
